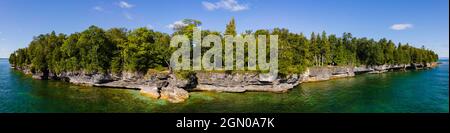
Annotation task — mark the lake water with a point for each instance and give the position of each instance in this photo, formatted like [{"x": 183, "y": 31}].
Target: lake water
[{"x": 411, "y": 91}]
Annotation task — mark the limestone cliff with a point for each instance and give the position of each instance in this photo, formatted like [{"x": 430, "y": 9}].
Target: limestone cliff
[{"x": 163, "y": 85}]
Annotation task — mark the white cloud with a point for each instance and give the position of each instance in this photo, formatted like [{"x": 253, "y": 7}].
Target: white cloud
[
  {"x": 149, "y": 26},
  {"x": 401, "y": 26},
  {"x": 3, "y": 39},
  {"x": 209, "y": 6},
  {"x": 176, "y": 25},
  {"x": 128, "y": 16},
  {"x": 98, "y": 8},
  {"x": 231, "y": 5},
  {"x": 123, "y": 4}
]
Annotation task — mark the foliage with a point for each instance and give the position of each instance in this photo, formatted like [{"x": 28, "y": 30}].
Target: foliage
[{"x": 116, "y": 50}]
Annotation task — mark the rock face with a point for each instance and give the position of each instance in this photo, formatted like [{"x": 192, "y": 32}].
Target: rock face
[
  {"x": 39, "y": 76},
  {"x": 432, "y": 64},
  {"x": 174, "y": 91},
  {"x": 150, "y": 91},
  {"x": 326, "y": 73},
  {"x": 241, "y": 82},
  {"x": 174, "y": 94},
  {"x": 85, "y": 79},
  {"x": 158, "y": 85},
  {"x": 380, "y": 68},
  {"x": 163, "y": 85}
]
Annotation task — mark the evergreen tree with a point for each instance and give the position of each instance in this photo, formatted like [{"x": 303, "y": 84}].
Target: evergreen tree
[
  {"x": 231, "y": 28},
  {"x": 117, "y": 50}
]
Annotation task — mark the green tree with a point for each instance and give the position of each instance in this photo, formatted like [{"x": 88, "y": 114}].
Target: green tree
[
  {"x": 231, "y": 28},
  {"x": 325, "y": 50},
  {"x": 117, "y": 50},
  {"x": 314, "y": 49},
  {"x": 118, "y": 38},
  {"x": 95, "y": 50}
]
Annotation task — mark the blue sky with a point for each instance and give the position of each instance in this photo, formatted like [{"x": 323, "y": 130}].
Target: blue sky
[{"x": 418, "y": 22}]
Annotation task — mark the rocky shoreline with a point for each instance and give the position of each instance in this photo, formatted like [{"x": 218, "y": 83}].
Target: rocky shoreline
[{"x": 163, "y": 85}]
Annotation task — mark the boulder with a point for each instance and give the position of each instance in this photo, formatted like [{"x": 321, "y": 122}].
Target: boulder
[
  {"x": 150, "y": 91},
  {"x": 174, "y": 94},
  {"x": 267, "y": 77},
  {"x": 38, "y": 76}
]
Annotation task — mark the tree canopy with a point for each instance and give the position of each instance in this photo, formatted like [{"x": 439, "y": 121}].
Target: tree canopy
[{"x": 115, "y": 50}]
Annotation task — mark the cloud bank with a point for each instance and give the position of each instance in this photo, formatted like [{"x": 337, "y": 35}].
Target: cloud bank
[
  {"x": 230, "y": 5},
  {"x": 401, "y": 26}
]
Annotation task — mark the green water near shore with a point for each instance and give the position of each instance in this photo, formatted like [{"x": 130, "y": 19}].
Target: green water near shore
[{"x": 412, "y": 91}]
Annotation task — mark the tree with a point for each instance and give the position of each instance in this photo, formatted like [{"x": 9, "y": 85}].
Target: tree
[
  {"x": 118, "y": 38},
  {"x": 146, "y": 49},
  {"x": 314, "y": 48},
  {"x": 118, "y": 50},
  {"x": 376, "y": 54},
  {"x": 12, "y": 59},
  {"x": 338, "y": 56},
  {"x": 95, "y": 50},
  {"x": 231, "y": 28},
  {"x": 325, "y": 51},
  {"x": 186, "y": 27}
]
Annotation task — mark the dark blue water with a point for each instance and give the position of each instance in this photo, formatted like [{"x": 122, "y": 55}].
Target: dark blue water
[{"x": 411, "y": 91}]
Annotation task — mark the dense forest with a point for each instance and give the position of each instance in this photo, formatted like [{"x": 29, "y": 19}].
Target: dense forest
[{"x": 117, "y": 50}]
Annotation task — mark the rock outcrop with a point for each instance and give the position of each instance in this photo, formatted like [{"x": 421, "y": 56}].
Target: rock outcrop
[
  {"x": 174, "y": 94},
  {"x": 163, "y": 85},
  {"x": 84, "y": 78},
  {"x": 175, "y": 89},
  {"x": 326, "y": 73},
  {"x": 151, "y": 91},
  {"x": 379, "y": 68},
  {"x": 157, "y": 85},
  {"x": 241, "y": 82}
]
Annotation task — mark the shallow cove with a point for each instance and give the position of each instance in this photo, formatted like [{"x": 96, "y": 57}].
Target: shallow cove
[{"x": 412, "y": 91}]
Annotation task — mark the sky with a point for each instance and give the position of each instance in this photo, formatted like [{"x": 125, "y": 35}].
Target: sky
[{"x": 418, "y": 22}]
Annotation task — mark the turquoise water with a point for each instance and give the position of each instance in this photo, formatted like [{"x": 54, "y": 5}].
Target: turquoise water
[{"x": 412, "y": 91}]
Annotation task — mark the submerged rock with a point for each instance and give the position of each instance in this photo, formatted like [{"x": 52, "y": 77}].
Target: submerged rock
[{"x": 174, "y": 94}]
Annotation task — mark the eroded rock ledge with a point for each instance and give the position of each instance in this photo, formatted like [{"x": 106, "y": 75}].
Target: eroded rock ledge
[{"x": 162, "y": 85}]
